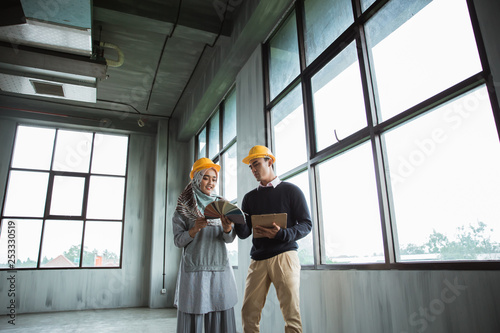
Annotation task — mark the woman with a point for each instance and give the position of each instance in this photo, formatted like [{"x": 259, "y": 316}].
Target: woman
[{"x": 206, "y": 289}]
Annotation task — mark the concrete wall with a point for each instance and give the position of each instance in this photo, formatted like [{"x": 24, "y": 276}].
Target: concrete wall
[{"x": 168, "y": 185}]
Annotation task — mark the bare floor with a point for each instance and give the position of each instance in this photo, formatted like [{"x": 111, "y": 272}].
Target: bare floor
[{"x": 109, "y": 320}]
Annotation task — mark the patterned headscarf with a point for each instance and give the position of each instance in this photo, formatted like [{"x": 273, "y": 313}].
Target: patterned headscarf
[{"x": 192, "y": 201}]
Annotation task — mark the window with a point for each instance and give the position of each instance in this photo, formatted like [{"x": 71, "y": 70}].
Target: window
[
  {"x": 417, "y": 55},
  {"x": 306, "y": 249},
  {"x": 287, "y": 119},
  {"x": 366, "y": 3},
  {"x": 388, "y": 114},
  {"x": 213, "y": 137},
  {"x": 325, "y": 21},
  {"x": 219, "y": 135},
  {"x": 64, "y": 199},
  {"x": 349, "y": 208},
  {"x": 434, "y": 162},
  {"x": 338, "y": 105},
  {"x": 284, "y": 55},
  {"x": 202, "y": 143}
]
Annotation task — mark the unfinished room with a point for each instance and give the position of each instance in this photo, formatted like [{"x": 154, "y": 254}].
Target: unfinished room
[{"x": 223, "y": 166}]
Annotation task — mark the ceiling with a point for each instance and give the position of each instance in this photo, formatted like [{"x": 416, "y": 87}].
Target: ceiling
[{"x": 163, "y": 42}]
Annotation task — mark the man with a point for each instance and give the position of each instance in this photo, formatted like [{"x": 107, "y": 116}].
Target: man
[{"x": 274, "y": 253}]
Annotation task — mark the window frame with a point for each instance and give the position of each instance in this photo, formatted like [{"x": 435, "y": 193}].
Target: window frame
[
  {"x": 48, "y": 199},
  {"x": 371, "y": 133},
  {"x": 218, "y": 157}
]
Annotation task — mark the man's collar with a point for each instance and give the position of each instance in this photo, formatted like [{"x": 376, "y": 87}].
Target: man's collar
[{"x": 273, "y": 183}]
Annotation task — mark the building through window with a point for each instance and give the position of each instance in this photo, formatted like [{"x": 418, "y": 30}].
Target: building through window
[{"x": 65, "y": 199}]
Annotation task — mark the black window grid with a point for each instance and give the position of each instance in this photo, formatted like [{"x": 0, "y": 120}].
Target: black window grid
[{"x": 373, "y": 132}]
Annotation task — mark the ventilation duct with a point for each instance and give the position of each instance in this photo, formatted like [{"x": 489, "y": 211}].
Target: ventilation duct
[
  {"x": 49, "y": 55},
  {"x": 64, "y": 26},
  {"x": 43, "y": 83},
  {"x": 45, "y": 88}
]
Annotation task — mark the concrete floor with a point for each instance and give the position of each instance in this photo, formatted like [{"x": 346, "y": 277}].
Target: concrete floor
[{"x": 109, "y": 320}]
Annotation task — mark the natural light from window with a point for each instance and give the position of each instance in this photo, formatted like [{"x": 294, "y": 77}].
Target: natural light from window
[{"x": 54, "y": 202}]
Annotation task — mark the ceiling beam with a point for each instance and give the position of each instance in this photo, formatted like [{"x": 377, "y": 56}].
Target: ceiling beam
[
  {"x": 207, "y": 88},
  {"x": 113, "y": 17},
  {"x": 38, "y": 110},
  {"x": 162, "y": 14},
  {"x": 50, "y": 60}
]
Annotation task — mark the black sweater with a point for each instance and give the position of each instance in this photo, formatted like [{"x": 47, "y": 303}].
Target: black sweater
[{"x": 285, "y": 198}]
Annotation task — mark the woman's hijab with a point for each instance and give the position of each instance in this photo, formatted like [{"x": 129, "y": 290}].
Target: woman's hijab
[{"x": 192, "y": 201}]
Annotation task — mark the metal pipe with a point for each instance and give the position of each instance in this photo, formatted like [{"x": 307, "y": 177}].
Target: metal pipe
[{"x": 121, "y": 56}]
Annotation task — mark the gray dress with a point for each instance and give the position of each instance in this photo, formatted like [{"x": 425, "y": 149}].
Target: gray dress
[{"x": 205, "y": 282}]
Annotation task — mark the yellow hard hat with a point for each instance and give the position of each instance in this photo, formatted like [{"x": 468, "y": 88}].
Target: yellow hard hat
[
  {"x": 203, "y": 163},
  {"x": 257, "y": 152}
]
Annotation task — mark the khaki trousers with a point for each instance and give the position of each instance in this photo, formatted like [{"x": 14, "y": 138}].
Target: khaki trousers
[{"x": 283, "y": 271}]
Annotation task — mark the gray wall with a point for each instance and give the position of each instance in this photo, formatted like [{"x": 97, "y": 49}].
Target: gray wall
[{"x": 168, "y": 185}]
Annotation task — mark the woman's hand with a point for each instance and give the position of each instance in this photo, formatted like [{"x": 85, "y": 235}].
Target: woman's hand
[
  {"x": 199, "y": 224},
  {"x": 227, "y": 225}
]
